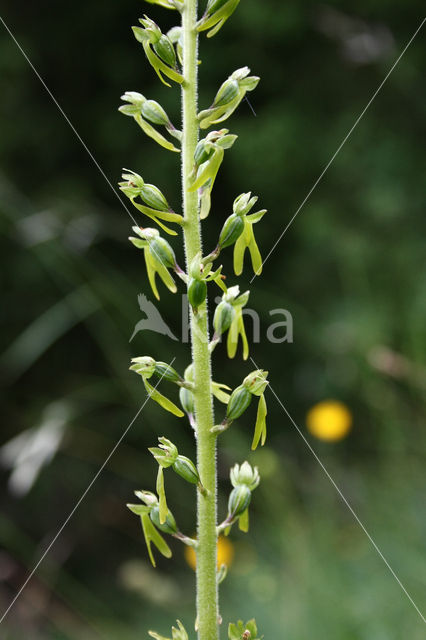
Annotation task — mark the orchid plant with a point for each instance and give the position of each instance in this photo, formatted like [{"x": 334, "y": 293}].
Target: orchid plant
[{"x": 174, "y": 58}]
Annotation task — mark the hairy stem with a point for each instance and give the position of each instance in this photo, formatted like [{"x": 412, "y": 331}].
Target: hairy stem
[{"x": 207, "y": 593}]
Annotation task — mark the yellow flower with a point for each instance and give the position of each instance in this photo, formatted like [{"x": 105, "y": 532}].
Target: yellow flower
[
  {"x": 329, "y": 420},
  {"x": 225, "y": 553}
]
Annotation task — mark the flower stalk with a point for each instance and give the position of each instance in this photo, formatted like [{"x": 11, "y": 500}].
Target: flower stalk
[{"x": 207, "y": 590}]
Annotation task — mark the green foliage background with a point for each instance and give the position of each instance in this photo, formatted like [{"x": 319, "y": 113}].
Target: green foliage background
[{"x": 350, "y": 269}]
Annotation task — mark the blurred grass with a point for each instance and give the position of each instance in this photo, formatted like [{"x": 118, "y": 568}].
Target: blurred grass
[{"x": 351, "y": 270}]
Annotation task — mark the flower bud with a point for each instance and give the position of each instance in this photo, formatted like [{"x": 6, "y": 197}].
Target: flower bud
[
  {"x": 227, "y": 92},
  {"x": 186, "y": 398},
  {"x": 238, "y": 402},
  {"x": 231, "y": 230},
  {"x": 153, "y": 197},
  {"x": 154, "y": 112},
  {"x": 169, "y": 526},
  {"x": 245, "y": 474},
  {"x": 223, "y": 316},
  {"x": 164, "y": 370},
  {"x": 202, "y": 152},
  {"x": 143, "y": 365},
  {"x": 197, "y": 292},
  {"x": 160, "y": 250},
  {"x": 165, "y": 50},
  {"x": 239, "y": 500},
  {"x": 186, "y": 469},
  {"x": 256, "y": 382}
]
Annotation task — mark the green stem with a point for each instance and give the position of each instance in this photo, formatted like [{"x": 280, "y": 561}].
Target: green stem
[{"x": 207, "y": 592}]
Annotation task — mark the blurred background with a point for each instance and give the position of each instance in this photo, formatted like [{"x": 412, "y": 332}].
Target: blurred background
[{"x": 351, "y": 271}]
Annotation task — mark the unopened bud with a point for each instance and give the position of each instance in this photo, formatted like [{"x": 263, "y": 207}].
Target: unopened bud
[
  {"x": 164, "y": 370},
  {"x": 223, "y": 316},
  {"x": 154, "y": 112},
  {"x": 165, "y": 50},
  {"x": 231, "y": 230},
  {"x": 169, "y": 526},
  {"x": 197, "y": 292},
  {"x": 186, "y": 469},
  {"x": 238, "y": 402},
  {"x": 202, "y": 152},
  {"x": 186, "y": 398},
  {"x": 239, "y": 500},
  {"x": 153, "y": 197},
  {"x": 161, "y": 250},
  {"x": 227, "y": 92}
]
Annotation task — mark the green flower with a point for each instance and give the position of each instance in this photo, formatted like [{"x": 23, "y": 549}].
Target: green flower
[
  {"x": 155, "y": 205},
  {"x": 145, "y": 112},
  {"x": 229, "y": 96},
  {"x": 159, "y": 50}
]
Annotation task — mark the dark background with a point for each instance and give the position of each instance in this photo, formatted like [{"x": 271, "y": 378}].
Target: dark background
[{"x": 351, "y": 270}]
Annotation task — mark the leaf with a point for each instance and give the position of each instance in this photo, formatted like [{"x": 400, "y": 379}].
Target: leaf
[
  {"x": 163, "y": 508},
  {"x": 154, "y": 134},
  {"x": 260, "y": 428},
  {"x": 164, "y": 402},
  {"x": 153, "y": 536}
]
